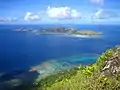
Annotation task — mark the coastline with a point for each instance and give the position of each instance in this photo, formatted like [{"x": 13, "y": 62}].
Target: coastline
[
  {"x": 84, "y": 36},
  {"x": 71, "y": 35}
]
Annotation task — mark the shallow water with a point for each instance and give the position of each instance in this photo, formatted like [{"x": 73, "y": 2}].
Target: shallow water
[{"x": 55, "y": 65}]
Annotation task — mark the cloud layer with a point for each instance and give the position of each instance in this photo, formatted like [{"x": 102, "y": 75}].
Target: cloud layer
[
  {"x": 62, "y": 13},
  {"x": 31, "y": 16},
  {"x": 3, "y": 20},
  {"x": 8, "y": 19},
  {"x": 65, "y": 14}
]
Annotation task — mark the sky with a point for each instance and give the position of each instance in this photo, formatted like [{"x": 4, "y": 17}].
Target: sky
[{"x": 60, "y": 11}]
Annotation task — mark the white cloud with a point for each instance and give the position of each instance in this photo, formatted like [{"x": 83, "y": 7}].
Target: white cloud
[
  {"x": 63, "y": 13},
  {"x": 31, "y": 16},
  {"x": 12, "y": 19},
  {"x": 97, "y": 1},
  {"x": 104, "y": 14},
  {"x": 98, "y": 14}
]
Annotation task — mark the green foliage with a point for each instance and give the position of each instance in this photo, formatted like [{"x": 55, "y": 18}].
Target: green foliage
[
  {"x": 88, "y": 70},
  {"x": 80, "y": 67},
  {"x": 61, "y": 76}
]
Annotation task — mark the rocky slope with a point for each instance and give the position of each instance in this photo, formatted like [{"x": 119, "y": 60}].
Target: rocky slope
[{"x": 112, "y": 64}]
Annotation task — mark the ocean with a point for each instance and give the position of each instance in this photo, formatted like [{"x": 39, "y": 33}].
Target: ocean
[{"x": 20, "y": 50}]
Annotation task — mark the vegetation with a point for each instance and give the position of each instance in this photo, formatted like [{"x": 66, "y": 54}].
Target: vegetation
[
  {"x": 60, "y": 30},
  {"x": 87, "y": 32},
  {"x": 84, "y": 78}
]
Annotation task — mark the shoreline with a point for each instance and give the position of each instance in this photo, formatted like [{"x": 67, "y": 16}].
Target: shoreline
[{"x": 71, "y": 35}]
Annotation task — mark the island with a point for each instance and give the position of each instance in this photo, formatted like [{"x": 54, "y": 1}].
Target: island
[{"x": 61, "y": 30}]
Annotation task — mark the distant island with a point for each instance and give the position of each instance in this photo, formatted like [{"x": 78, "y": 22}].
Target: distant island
[{"x": 61, "y": 30}]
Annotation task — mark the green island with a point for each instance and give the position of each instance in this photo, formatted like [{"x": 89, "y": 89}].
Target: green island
[
  {"x": 61, "y": 30},
  {"x": 102, "y": 75}
]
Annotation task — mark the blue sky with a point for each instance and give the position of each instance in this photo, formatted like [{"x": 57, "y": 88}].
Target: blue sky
[{"x": 60, "y": 11}]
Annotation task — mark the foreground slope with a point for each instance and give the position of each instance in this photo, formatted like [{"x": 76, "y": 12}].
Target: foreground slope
[{"x": 103, "y": 75}]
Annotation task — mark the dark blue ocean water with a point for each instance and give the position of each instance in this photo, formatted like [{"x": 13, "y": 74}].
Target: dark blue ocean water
[{"x": 20, "y": 50}]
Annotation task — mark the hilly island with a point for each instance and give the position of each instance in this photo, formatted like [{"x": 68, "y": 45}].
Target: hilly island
[{"x": 60, "y": 30}]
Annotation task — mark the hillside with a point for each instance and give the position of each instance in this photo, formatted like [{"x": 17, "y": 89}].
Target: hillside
[{"x": 103, "y": 75}]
